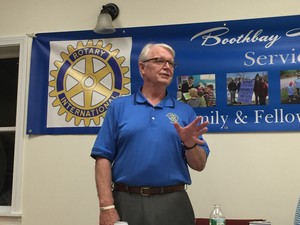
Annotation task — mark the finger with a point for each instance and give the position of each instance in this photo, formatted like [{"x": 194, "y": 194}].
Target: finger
[
  {"x": 177, "y": 126},
  {"x": 199, "y": 141},
  {"x": 201, "y": 128},
  {"x": 196, "y": 121}
]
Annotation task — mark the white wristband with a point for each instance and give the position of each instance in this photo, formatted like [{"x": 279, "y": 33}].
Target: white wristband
[{"x": 107, "y": 207}]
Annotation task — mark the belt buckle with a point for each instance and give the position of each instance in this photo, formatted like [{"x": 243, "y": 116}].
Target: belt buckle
[{"x": 142, "y": 191}]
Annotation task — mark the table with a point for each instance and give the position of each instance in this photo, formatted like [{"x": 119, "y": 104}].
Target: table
[{"x": 205, "y": 221}]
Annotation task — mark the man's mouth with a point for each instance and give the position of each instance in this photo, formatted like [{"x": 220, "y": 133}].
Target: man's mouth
[{"x": 165, "y": 75}]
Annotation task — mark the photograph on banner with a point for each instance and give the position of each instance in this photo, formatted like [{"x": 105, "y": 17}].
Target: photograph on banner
[
  {"x": 290, "y": 86},
  {"x": 247, "y": 88},
  {"x": 197, "y": 90}
]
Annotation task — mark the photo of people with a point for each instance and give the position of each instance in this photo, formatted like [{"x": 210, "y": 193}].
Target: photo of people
[
  {"x": 197, "y": 90},
  {"x": 247, "y": 88},
  {"x": 290, "y": 86}
]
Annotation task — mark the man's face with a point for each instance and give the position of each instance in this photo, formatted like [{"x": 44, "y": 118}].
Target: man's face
[{"x": 157, "y": 71}]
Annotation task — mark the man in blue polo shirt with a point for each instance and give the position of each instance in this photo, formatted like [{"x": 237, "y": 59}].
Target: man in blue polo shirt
[{"x": 144, "y": 148}]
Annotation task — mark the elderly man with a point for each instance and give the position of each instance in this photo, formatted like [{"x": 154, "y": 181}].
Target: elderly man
[{"x": 144, "y": 148}]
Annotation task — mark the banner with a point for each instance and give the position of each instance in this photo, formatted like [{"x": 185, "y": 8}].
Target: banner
[{"x": 241, "y": 76}]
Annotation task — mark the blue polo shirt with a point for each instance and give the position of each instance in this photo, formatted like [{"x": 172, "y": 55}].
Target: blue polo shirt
[{"x": 142, "y": 143}]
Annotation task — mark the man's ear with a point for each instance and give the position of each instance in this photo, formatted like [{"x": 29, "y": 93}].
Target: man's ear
[{"x": 141, "y": 69}]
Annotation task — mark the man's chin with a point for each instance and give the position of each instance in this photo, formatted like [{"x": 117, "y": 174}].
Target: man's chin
[{"x": 166, "y": 81}]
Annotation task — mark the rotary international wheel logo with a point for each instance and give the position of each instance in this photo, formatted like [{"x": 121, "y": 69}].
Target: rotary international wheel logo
[{"x": 87, "y": 80}]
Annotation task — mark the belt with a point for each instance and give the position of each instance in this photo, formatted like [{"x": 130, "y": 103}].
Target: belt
[{"x": 146, "y": 191}]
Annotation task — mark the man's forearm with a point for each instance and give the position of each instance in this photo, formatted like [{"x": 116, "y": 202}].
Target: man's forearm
[
  {"x": 103, "y": 182},
  {"x": 196, "y": 158}
]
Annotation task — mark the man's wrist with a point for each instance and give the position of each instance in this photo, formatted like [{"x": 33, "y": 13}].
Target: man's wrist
[{"x": 188, "y": 147}]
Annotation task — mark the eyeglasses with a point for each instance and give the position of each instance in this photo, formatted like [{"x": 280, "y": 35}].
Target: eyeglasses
[{"x": 162, "y": 62}]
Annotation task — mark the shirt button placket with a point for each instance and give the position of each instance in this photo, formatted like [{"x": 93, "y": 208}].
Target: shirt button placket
[{"x": 153, "y": 117}]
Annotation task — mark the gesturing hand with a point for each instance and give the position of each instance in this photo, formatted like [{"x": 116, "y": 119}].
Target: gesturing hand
[{"x": 189, "y": 134}]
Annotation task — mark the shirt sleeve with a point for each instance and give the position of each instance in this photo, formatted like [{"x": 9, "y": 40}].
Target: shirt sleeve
[
  {"x": 104, "y": 145},
  {"x": 205, "y": 147}
]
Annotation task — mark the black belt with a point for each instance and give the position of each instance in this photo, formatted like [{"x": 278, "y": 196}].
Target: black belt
[{"x": 146, "y": 191}]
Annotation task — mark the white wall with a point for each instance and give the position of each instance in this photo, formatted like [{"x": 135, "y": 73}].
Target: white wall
[{"x": 253, "y": 175}]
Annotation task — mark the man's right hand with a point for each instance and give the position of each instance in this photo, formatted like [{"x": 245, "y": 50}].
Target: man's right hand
[{"x": 108, "y": 217}]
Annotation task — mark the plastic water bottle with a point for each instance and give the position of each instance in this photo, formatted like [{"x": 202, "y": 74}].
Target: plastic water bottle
[{"x": 217, "y": 217}]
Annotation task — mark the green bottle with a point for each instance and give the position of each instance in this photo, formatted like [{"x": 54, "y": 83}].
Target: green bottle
[{"x": 217, "y": 217}]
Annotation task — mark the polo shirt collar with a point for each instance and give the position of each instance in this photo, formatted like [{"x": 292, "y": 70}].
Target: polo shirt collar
[{"x": 168, "y": 101}]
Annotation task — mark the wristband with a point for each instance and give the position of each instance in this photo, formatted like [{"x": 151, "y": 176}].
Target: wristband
[
  {"x": 188, "y": 148},
  {"x": 107, "y": 207}
]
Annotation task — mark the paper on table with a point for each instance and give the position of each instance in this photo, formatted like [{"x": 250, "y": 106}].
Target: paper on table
[{"x": 259, "y": 223}]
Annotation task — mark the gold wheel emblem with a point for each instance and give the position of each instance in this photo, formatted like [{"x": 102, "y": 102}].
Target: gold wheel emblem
[{"x": 87, "y": 80}]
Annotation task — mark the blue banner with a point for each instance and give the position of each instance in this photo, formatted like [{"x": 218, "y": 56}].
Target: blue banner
[{"x": 241, "y": 76}]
